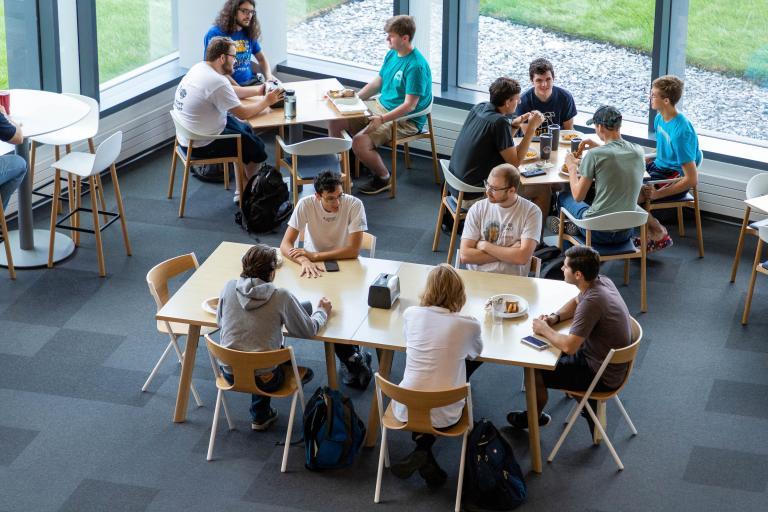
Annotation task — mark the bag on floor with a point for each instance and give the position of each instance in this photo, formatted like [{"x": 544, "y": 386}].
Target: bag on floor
[
  {"x": 492, "y": 478},
  {"x": 552, "y": 260},
  {"x": 265, "y": 202},
  {"x": 333, "y": 434}
]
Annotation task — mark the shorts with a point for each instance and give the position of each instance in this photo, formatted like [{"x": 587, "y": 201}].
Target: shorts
[
  {"x": 573, "y": 373},
  {"x": 383, "y": 134},
  {"x": 253, "y": 147},
  {"x": 664, "y": 174}
]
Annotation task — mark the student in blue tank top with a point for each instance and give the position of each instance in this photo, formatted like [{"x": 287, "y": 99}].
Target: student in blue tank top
[
  {"x": 677, "y": 154},
  {"x": 237, "y": 20},
  {"x": 405, "y": 84}
]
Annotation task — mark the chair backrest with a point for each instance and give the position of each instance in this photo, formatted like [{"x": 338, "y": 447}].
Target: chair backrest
[
  {"x": 762, "y": 232},
  {"x": 421, "y": 403},
  {"x": 159, "y": 275},
  {"x": 757, "y": 185},
  {"x": 243, "y": 364},
  {"x": 369, "y": 244},
  {"x": 107, "y": 152},
  {"x": 624, "y": 355},
  {"x": 319, "y": 146},
  {"x": 184, "y": 132},
  {"x": 455, "y": 182},
  {"x": 612, "y": 221},
  {"x": 89, "y": 125},
  {"x": 422, "y": 112}
]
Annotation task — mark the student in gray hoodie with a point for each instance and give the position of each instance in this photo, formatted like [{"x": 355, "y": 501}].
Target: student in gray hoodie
[{"x": 252, "y": 312}]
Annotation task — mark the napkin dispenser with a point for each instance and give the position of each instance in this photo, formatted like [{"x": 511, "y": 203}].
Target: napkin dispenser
[{"x": 384, "y": 291}]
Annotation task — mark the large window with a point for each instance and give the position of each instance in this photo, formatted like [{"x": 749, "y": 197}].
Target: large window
[
  {"x": 3, "y": 52},
  {"x": 133, "y": 34}
]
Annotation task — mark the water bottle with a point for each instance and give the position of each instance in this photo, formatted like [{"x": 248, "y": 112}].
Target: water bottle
[{"x": 290, "y": 104}]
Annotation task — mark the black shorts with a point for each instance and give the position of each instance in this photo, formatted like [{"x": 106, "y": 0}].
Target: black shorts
[
  {"x": 253, "y": 147},
  {"x": 657, "y": 173},
  {"x": 572, "y": 372}
]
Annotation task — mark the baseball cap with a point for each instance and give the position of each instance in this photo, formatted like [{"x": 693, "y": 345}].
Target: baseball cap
[{"x": 608, "y": 116}]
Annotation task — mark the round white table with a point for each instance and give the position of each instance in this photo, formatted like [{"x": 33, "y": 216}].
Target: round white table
[{"x": 38, "y": 112}]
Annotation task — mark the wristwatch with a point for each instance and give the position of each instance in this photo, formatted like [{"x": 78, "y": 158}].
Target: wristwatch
[{"x": 556, "y": 315}]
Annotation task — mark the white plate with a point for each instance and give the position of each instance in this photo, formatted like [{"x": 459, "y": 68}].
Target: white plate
[
  {"x": 498, "y": 302},
  {"x": 539, "y": 165},
  {"x": 563, "y": 134},
  {"x": 210, "y": 305}
]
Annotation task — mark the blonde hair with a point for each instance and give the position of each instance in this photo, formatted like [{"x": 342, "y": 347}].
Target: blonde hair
[{"x": 444, "y": 289}]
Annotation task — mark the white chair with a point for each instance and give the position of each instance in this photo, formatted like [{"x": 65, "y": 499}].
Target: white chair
[
  {"x": 756, "y": 186},
  {"x": 762, "y": 232},
  {"x": 236, "y": 160},
  {"x": 420, "y": 405},
  {"x": 626, "y": 251},
  {"x": 312, "y": 148},
  {"x": 454, "y": 206},
  {"x": 625, "y": 356},
  {"x": 428, "y": 134},
  {"x": 89, "y": 165}
]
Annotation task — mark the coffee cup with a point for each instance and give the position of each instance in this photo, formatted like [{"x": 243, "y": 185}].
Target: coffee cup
[
  {"x": 575, "y": 144},
  {"x": 5, "y": 101},
  {"x": 545, "y": 146}
]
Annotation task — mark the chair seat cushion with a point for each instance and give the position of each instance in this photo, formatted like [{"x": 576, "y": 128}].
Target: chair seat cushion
[
  {"x": 609, "y": 250},
  {"x": 675, "y": 199},
  {"x": 77, "y": 163}
]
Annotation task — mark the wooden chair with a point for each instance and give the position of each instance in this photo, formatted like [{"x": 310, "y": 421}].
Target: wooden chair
[
  {"x": 691, "y": 200},
  {"x": 756, "y": 186},
  {"x": 624, "y": 355},
  {"x": 626, "y": 251},
  {"x": 236, "y": 160},
  {"x": 6, "y": 242},
  {"x": 429, "y": 134},
  {"x": 243, "y": 365},
  {"x": 453, "y": 205},
  {"x": 756, "y": 267},
  {"x": 419, "y": 405},
  {"x": 89, "y": 165},
  {"x": 315, "y": 147},
  {"x": 157, "y": 281},
  {"x": 535, "y": 270}
]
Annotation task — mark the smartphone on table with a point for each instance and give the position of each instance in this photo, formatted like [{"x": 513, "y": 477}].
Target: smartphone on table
[
  {"x": 533, "y": 173},
  {"x": 331, "y": 266},
  {"x": 534, "y": 342}
]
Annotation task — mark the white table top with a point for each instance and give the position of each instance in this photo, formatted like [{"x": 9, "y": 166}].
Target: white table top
[{"x": 42, "y": 112}]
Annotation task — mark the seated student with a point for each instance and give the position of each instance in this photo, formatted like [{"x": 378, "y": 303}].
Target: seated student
[
  {"x": 677, "y": 154},
  {"x": 207, "y": 103},
  {"x": 601, "y": 322},
  {"x": 438, "y": 342},
  {"x": 13, "y": 168},
  {"x": 485, "y": 139},
  {"x": 615, "y": 167},
  {"x": 502, "y": 231},
  {"x": 252, "y": 312},
  {"x": 555, "y": 103},
  {"x": 333, "y": 224},
  {"x": 405, "y": 84}
]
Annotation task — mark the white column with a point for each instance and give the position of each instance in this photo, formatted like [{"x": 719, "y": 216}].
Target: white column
[{"x": 68, "y": 53}]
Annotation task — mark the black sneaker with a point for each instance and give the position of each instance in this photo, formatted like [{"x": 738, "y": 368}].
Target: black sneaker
[
  {"x": 307, "y": 378},
  {"x": 590, "y": 421},
  {"x": 413, "y": 462},
  {"x": 357, "y": 373},
  {"x": 375, "y": 186},
  {"x": 519, "y": 419},
  {"x": 432, "y": 473},
  {"x": 262, "y": 425}
]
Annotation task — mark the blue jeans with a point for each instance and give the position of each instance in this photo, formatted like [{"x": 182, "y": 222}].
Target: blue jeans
[
  {"x": 259, "y": 403},
  {"x": 578, "y": 208},
  {"x": 13, "y": 168}
]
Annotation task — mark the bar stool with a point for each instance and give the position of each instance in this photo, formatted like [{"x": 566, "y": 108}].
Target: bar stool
[
  {"x": 89, "y": 165},
  {"x": 756, "y": 186},
  {"x": 6, "y": 242}
]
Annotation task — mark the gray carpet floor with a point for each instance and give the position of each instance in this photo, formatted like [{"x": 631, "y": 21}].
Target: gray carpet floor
[{"x": 77, "y": 434}]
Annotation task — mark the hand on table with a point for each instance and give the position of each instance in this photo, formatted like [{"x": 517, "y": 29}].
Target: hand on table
[
  {"x": 549, "y": 319},
  {"x": 274, "y": 96},
  {"x": 298, "y": 252},
  {"x": 325, "y": 305},
  {"x": 541, "y": 326},
  {"x": 310, "y": 269}
]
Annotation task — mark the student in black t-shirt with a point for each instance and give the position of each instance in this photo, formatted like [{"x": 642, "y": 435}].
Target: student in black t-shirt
[
  {"x": 555, "y": 103},
  {"x": 13, "y": 168}
]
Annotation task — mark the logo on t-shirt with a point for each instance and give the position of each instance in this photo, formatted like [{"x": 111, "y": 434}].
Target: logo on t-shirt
[
  {"x": 491, "y": 231},
  {"x": 182, "y": 93},
  {"x": 398, "y": 76}
]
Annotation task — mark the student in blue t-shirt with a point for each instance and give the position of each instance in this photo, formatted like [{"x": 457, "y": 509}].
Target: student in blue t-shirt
[
  {"x": 555, "y": 103},
  {"x": 405, "y": 84},
  {"x": 677, "y": 153},
  {"x": 13, "y": 168},
  {"x": 237, "y": 20}
]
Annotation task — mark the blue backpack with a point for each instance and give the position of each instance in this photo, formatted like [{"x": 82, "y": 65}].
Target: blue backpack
[
  {"x": 492, "y": 478},
  {"x": 333, "y": 434}
]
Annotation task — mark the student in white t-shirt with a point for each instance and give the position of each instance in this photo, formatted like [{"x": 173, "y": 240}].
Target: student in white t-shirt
[
  {"x": 502, "y": 231},
  {"x": 207, "y": 103},
  {"x": 332, "y": 223},
  {"x": 438, "y": 342}
]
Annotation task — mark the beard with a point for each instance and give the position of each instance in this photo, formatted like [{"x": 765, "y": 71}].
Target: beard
[{"x": 229, "y": 68}]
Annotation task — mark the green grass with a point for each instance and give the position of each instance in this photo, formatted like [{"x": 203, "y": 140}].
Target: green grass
[{"x": 3, "y": 52}]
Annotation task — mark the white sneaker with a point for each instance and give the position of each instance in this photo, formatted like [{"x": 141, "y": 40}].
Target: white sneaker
[{"x": 236, "y": 198}]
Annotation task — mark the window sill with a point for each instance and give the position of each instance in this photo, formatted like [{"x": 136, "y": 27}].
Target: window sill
[{"x": 137, "y": 88}]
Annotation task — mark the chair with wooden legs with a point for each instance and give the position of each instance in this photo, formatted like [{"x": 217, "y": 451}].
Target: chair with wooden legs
[
  {"x": 5, "y": 241},
  {"x": 89, "y": 165},
  {"x": 691, "y": 200},
  {"x": 757, "y": 267},
  {"x": 404, "y": 141},
  {"x": 420, "y": 405},
  {"x": 624, "y": 356},
  {"x": 756, "y": 186},
  {"x": 243, "y": 365},
  {"x": 157, "y": 281},
  {"x": 626, "y": 251},
  {"x": 453, "y": 205},
  {"x": 185, "y": 156},
  {"x": 323, "y": 146}
]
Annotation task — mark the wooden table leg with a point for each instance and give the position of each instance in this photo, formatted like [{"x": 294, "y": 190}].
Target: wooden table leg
[
  {"x": 533, "y": 420},
  {"x": 385, "y": 365},
  {"x": 187, "y": 365},
  {"x": 330, "y": 365},
  {"x": 740, "y": 244}
]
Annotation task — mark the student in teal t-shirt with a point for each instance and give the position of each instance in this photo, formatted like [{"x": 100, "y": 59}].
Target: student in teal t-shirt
[{"x": 405, "y": 84}]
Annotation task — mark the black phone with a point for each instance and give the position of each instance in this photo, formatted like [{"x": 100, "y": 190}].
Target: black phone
[
  {"x": 331, "y": 266},
  {"x": 533, "y": 173},
  {"x": 535, "y": 343}
]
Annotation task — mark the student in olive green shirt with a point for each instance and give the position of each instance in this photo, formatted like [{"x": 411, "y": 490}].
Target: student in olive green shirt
[
  {"x": 616, "y": 168},
  {"x": 405, "y": 84}
]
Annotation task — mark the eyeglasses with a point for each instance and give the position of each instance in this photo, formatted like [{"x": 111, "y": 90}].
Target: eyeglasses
[
  {"x": 332, "y": 199},
  {"x": 233, "y": 55},
  {"x": 247, "y": 12},
  {"x": 494, "y": 189}
]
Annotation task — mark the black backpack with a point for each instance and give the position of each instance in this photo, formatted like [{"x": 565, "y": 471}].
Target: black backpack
[
  {"x": 265, "y": 202},
  {"x": 333, "y": 433},
  {"x": 492, "y": 478},
  {"x": 551, "y": 262}
]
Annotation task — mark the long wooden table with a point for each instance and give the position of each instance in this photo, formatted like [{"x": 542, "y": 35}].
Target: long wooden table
[{"x": 353, "y": 322}]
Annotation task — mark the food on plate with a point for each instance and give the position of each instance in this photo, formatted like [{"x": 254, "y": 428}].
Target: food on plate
[
  {"x": 570, "y": 136},
  {"x": 531, "y": 154},
  {"x": 341, "y": 93},
  {"x": 511, "y": 306}
]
